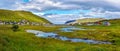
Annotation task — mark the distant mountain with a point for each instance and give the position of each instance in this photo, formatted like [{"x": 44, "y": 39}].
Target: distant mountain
[
  {"x": 70, "y": 21},
  {"x": 9, "y": 15},
  {"x": 89, "y": 20}
]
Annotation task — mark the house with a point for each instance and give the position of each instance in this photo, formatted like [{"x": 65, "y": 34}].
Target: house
[
  {"x": 23, "y": 22},
  {"x": 106, "y": 23},
  {"x": 1, "y": 22},
  {"x": 6, "y": 22}
]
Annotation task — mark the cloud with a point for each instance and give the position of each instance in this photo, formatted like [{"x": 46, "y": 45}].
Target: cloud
[
  {"x": 59, "y": 11},
  {"x": 42, "y": 5},
  {"x": 62, "y": 18},
  {"x": 39, "y": 5}
]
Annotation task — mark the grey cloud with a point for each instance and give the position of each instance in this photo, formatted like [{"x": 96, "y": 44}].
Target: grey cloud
[
  {"x": 41, "y": 5},
  {"x": 88, "y": 4}
]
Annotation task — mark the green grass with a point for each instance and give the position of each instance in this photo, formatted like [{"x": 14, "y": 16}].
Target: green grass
[
  {"x": 99, "y": 32},
  {"x": 9, "y": 15},
  {"x": 23, "y": 41}
]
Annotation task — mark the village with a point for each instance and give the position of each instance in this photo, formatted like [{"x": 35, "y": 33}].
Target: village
[
  {"x": 26, "y": 22},
  {"x": 22, "y": 22},
  {"x": 106, "y": 23}
]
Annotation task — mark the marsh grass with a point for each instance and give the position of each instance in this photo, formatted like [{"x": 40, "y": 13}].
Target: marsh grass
[{"x": 23, "y": 41}]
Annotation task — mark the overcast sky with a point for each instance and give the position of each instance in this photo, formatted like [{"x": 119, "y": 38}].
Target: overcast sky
[{"x": 60, "y": 11}]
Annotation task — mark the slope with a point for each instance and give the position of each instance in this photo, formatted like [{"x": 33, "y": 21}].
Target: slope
[{"x": 9, "y": 15}]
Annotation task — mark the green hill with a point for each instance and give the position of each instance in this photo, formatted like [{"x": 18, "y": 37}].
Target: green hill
[
  {"x": 9, "y": 15},
  {"x": 112, "y": 21},
  {"x": 86, "y": 20},
  {"x": 89, "y": 20}
]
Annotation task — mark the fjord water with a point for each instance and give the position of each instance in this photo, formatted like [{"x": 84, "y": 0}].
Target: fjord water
[{"x": 63, "y": 38}]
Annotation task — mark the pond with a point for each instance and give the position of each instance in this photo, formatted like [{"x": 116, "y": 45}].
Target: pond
[
  {"x": 71, "y": 29},
  {"x": 64, "y": 38}
]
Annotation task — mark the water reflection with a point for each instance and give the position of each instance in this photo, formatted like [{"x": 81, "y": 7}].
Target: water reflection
[
  {"x": 56, "y": 36},
  {"x": 70, "y": 29}
]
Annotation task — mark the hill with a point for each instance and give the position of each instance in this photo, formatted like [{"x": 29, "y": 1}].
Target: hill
[
  {"x": 9, "y": 15},
  {"x": 89, "y": 20},
  {"x": 86, "y": 20}
]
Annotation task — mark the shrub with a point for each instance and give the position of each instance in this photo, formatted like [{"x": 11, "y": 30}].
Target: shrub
[{"x": 15, "y": 28}]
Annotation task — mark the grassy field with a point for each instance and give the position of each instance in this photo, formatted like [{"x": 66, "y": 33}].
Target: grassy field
[{"x": 23, "y": 41}]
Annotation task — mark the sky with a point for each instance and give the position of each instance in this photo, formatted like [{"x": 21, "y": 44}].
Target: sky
[{"x": 60, "y": 11}]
